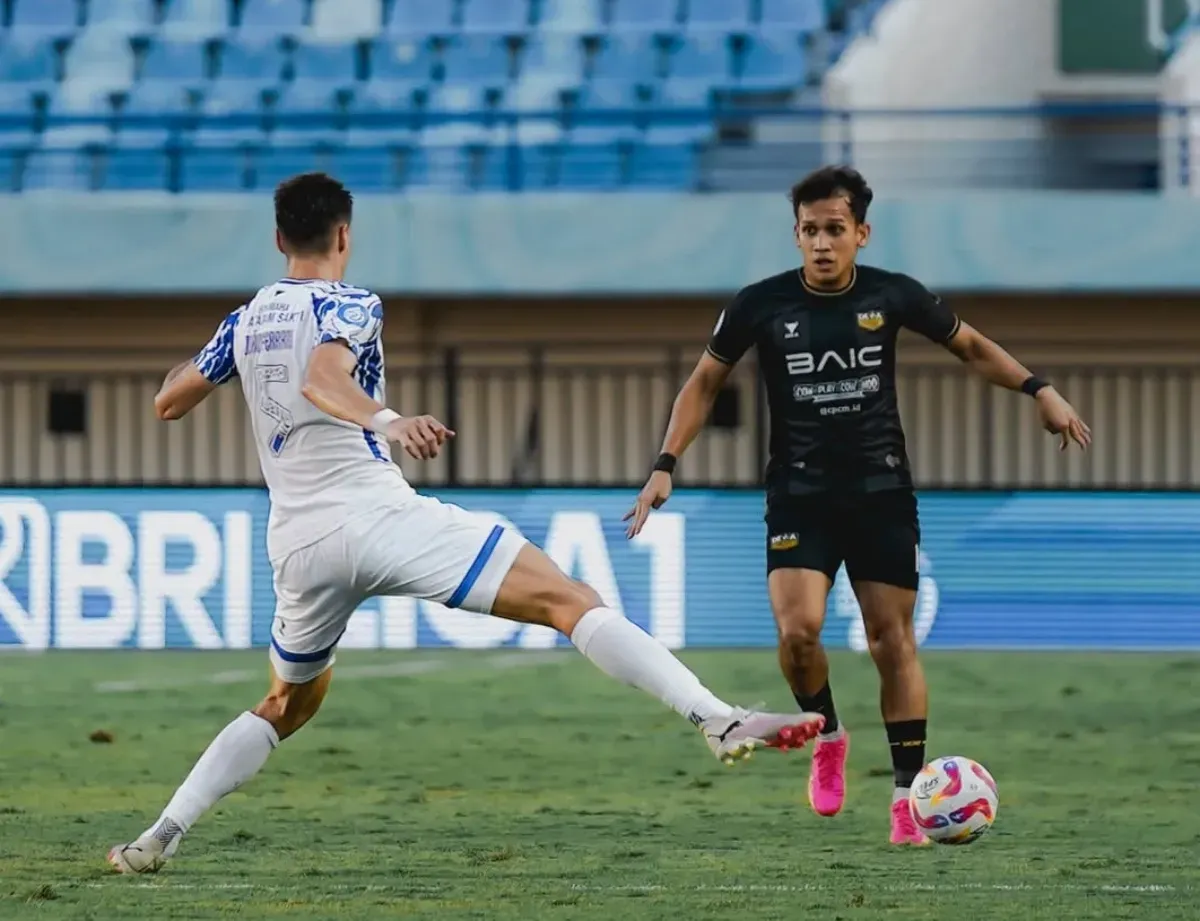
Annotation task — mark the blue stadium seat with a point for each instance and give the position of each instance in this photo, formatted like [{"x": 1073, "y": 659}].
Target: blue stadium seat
[
  {"x": 370, "y": 161},
  {"x": 590, "y": 166},
  {"x": 176, "y": 61},
  {"x": 577, "y": 17},
  {"x": 196, "y": 19},
  {"x": 384, "y": 98},
  {"x": 608, "y": 96},
  {"x": 128, "y": 17},
  {"x": 604, "y": 135},
  {"x": 248, "y": 60},
  {"x": 409, "y": 61},
  {"x": 233, "y": 98},
  {"x": 16, "y": 103},
  {"x": 287, "y": 155},
  {"x": 645, "y": 15},
  {"x": 153, "y": 99},
  {"x": 100, "y": 60},
  {"x": 632, "y": 58},
  {"x": 218, "y": 164},
  {"x": 727, "y": 15},
  {"x": 478, "y": 59},
  {"x": 318, "y": 101},
  {"x": 773, "y": 63},
  {"x": 456, "y": 98},
  {"x": 336, "y": 62},
  {"x": 663, "y": 166},
  {"x": 792, "y": 15},
  {"x": 45, "y": 17},
  {"x": 421, "y": 18},
  {"x": 273, "y": 17},
  {"x": 135, "y": 165},
  {"x": 62, "y": 169},
  {"x": 27, "y": 59},
  {"x": 507, "y": 17},
  {"x": 701, "y": 57},
  {"x": 685, "y": 94},
  {"x": 555, "y": 57},
  {"x": 438, "y": 165},
  {"x": 534, "y": 94},
  {"x": 346, "y": 19},
  {"x": 14, "y": 149}
]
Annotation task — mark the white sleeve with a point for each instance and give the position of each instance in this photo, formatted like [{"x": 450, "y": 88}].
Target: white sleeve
[
  {"x": 350, "y": 318},
  {"x": 215, "y": 361}
]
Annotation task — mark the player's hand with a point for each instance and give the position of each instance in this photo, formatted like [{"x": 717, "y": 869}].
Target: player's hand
[
  {"x": 656, "y": 491},
  {"x": 1060, "y": 418},
  {"x": 421, "y": 437}
]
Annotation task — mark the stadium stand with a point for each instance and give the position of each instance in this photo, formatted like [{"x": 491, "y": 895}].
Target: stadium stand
[{"x": 228, "y": 95}]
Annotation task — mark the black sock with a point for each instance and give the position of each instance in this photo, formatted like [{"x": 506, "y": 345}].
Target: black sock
[
  {"x": 907, "y": 739},
  {"x": 821, "y": 702}
]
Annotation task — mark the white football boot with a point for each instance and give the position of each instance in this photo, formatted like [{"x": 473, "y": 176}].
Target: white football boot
[
  {"x": 150, "y": 852},
  {"x": 735, "y": 737}
]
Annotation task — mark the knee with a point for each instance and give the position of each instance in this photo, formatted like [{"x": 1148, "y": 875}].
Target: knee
[
  {"x": 799, "y": 633},
  {"x": 891, "y": 641},
  {"x": 564, "y": 605}
]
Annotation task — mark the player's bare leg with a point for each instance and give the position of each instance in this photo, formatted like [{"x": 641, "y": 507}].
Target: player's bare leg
[
  {"x": 798, "y": 599},
  {"x": 233, "y": 757},
  {"x": 904, "y": 701},
  {"x": 536, "y": 591}
]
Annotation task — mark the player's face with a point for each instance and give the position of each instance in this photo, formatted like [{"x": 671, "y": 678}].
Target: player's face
[{"x": 830, "y": 238}]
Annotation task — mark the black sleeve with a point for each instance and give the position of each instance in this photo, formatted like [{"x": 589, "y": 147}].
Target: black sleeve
[
  {"x": 734, "y": 333},
  {"x": 926, "y": 313}
]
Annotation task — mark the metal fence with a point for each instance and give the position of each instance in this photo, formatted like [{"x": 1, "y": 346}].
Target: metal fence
[{"x": 536, "y": 416}]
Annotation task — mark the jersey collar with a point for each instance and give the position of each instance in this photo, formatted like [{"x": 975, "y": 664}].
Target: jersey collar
[{"x": 839, "y": 291}]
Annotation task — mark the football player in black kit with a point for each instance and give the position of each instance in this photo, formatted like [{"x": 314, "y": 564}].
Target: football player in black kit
[{"x": 839, "y": 486}]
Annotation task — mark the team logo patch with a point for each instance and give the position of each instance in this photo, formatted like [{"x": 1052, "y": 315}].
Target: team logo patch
[
  {"x": 871, "y": 320},
  {"x": 784, "y": 541}
]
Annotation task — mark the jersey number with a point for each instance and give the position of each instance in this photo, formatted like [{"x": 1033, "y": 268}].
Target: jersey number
[{"x": 272, "y": 408}]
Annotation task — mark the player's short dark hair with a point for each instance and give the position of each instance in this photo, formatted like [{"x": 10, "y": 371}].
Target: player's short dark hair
[
  {"x": 308, "y": 208},
  {"x": 832, "y": 182}
]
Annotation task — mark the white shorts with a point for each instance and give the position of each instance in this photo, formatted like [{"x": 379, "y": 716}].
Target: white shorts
[{"x": 425, "y": 549}]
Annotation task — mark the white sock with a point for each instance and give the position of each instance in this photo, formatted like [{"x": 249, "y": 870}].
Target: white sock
[
  {"x": 900, "y": 794},
  {"x": 625, "y": 651},
  {"x": 832, "y": 736},
  {"x": 237, "y": 753}
]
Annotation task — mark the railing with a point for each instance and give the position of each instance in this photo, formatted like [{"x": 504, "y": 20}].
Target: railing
[
  {"x": 535, "y": 416},
  {"x": 726, "y": 145}
]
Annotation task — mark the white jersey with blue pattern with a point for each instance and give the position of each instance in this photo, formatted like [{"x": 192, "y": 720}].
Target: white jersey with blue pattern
[{"x": 320, "y": 471}]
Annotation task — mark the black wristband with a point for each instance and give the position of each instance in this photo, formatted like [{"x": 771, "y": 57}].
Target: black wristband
[
  {"x": 666, "y": 463},
  {"x": 1033, "y": 384}
]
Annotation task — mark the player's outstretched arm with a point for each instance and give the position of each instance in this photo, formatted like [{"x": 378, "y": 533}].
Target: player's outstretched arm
[
  {"x": 330, "y": 385},
  {"x": 688, "y": 415},
  {"x": 183, "y": 389},
  {"x": 994, "y": 364}
]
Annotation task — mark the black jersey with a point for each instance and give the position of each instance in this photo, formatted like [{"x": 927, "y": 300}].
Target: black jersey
[{"x": 828, "y": 361}]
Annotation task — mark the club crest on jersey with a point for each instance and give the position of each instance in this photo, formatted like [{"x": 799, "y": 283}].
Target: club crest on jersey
[
  {"x": 790, "y": 330},
  {"x": 871, "y": 320},
  {"x": 784, "y": 541}
]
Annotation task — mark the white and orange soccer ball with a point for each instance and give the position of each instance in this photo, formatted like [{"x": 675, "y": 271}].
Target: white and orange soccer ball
[{"x": 954, "y": 800}]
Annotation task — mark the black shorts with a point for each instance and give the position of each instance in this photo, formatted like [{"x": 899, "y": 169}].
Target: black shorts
[{"x": 877, "y": 535}]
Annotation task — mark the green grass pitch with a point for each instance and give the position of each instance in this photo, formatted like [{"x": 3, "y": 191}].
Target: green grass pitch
[{"x": 511, "y": 787}]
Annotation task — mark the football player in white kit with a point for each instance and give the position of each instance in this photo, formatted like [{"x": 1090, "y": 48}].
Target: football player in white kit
[{"x": 345, "y": 525}]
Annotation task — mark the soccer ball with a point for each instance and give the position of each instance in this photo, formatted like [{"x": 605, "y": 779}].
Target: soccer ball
[{"x": 954, "y": 800}]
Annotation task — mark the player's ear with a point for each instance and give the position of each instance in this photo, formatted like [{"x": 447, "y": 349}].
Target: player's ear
[
  {"x": 343, "y": 238},
  {"x": 864, "y": 234},
  {"x": 279, "y": 242}
]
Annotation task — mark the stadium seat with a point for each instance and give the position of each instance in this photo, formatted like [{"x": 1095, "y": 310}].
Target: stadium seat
[
  {"x": 273, "y": 17},
  {"x": 408, "y": 61},
  {"x": 421, "y": 18},
  {"x": 700, "y": 58},
  {"x": 14, "y": 150},
  {"x": 438, "y": 165},
  {"x": 456, "y": 98},
  {"x": 645, "y": 15},
  {"x": 150, "y": 100},
  {"x": 136, "y": 164},
  {"x": 234, "y": 101},
  {"x": 176, "y": 61},
  {"x": 56, "y": 18},
  {"x": 125, "y": 17},
  {"x": 726, "y": 15},
  {"x": 315, "y": 102},
  {"x": 218, "y": 164},
  {"x": 100, "y": 61},
  {"x": 632, "y": 58},
  {"x": 334, "y": 20},
  {"x": 336, "y": 62},
  {"x": 27, "y": 60},
  {"x": 16, "y": 103},
  {"x": 577, "y": 17},
  {"x": 534, "y": 94},
  {"x": 596, "y": 167},
  {"x": 370, "y": 161},
  {"x": 196, "y": 19},
  {"x": 506, "y": 17},
  {"x": 773, "y": 63},
  {"x": 663, "y": 166},
  {"x": 247, "y": 60},
  {"x": 287, "y": 154},
  {"x": 380, "y": 99},
  {"x": 791, "y": 15},
  {"x": 608, "y": 96},
  {"x": 555, "y": 58},
  {"x": 69, "y": 168},
  {"x": 478, "y": 59}
]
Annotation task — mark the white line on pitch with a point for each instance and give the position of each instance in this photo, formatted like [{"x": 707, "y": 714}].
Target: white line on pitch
[{"x": 402, "y": 669}]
